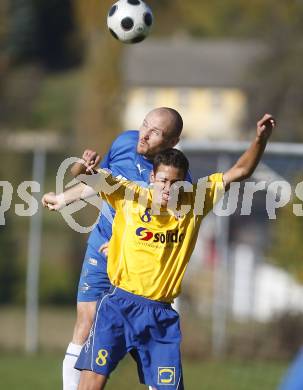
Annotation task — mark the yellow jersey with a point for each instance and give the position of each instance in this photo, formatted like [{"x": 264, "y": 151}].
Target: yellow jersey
[{"x": 148, "y": 253}]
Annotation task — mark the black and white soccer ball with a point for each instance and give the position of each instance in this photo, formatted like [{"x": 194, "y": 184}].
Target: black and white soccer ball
[{"x": 130, "y": 21}]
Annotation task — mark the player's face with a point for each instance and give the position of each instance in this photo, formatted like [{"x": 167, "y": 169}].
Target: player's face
[
  {"x": 163, "y": 179},
  {"x": 155, "y": 134}
]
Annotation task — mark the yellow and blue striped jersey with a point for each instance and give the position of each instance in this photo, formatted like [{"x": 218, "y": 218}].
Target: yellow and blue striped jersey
[{"x": 148, "y": 253}]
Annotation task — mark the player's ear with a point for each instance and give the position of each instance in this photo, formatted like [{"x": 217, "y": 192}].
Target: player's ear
[
  {"x": 152, "y": 177},
  {"x": 173, "y": 142}
]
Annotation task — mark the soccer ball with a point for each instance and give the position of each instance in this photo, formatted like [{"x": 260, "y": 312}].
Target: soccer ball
[{"x": 130, "y": 20}]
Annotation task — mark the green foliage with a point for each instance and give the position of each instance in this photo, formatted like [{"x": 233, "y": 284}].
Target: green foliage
[
  {"x": 23, "y": 29},
  {"x": 58, "y": 43},
  {"x": 285, "y": 333},
  {"x": 100, "y": 104},
  {"x": 229, "y": 18},
  {"x": 55, "y": 105},
  {"x": 41, "y": 100},
  {"x": 57, "y": 285},
  {"x": 9, "y": 275},
  {"x": 287, "y": 244},
  {"x": 4, "y": 21},
  {"x": 61, "y": 259},
  {"x": 44, "y": 30}
]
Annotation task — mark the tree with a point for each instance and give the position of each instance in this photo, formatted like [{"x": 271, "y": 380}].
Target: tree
[
  {"x": 287, "y": 245},
  {"x": 22, "y": 30},
  {"x": 9, "y": 274},
  {"x": 44, "y": 31},
  {"x": 98, "y": 119}
]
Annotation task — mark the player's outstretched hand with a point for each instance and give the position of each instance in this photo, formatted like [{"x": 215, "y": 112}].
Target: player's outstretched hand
[
  {"x": 91, "y": 160},
  {"x": 265, "y": 126},
  {"x": 52, "y": 201}
]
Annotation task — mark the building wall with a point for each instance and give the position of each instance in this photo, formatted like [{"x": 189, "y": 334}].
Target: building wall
[{"x": 208, "y": 113}]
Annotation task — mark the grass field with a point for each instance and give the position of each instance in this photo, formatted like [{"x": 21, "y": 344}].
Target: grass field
[{"x": 43, "y": 372}]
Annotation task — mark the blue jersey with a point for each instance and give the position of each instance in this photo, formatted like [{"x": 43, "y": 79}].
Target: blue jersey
[{"x": 123, "y": 161}]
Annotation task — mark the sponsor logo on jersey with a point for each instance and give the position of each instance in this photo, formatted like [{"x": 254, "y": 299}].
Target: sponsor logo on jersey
[
  {"x": 144, "y": 234},
  {"x": 93, "y": 261},
  {"x": 170, "y": 236},
  {"x": 166, "y": 375}
]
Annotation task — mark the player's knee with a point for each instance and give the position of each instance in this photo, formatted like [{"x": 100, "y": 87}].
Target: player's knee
[
  {"x": 81, "y": 332},
  {"x": 86, "y": 312},
  {"x": 84, "y": 321}
]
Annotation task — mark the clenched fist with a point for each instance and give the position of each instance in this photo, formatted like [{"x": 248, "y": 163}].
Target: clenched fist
[
  {"x": 52, "y": 201},
  {"x": 265, "y": 126}
]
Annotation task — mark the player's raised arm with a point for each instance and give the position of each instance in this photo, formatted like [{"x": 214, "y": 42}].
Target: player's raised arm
[{"x": 249, "y": 160}]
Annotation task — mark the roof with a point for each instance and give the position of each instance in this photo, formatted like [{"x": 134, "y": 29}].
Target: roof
[{"x": 190, "y": 63}]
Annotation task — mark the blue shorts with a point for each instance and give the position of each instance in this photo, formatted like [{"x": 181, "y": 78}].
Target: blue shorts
[
  {"x": 93, "y": 280},
  {"x": 129, "y": 323}
]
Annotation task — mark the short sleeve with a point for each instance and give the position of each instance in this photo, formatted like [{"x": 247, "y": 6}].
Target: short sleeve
[
  {"x": 209, "y": 191},
  {"x": 123, "y": 144},
  {"x": 113, "y": 190}
]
